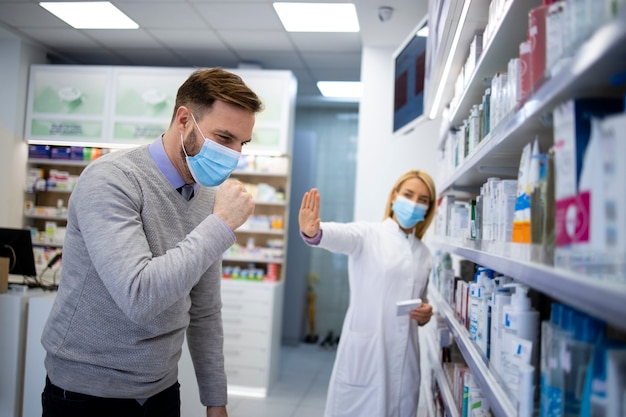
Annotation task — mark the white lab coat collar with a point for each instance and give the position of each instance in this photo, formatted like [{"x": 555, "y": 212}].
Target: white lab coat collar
[{"x": 394, "y": 227}]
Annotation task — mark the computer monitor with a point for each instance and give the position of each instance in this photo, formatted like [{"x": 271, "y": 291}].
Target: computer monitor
[
  {"x": 409, "y": 62},
  {"x": 17, "y": 245}
]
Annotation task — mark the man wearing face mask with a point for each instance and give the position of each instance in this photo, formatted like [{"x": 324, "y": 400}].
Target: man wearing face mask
[
  {"x": 376, "y": 370},
  {"x": 142, "y": 262}
]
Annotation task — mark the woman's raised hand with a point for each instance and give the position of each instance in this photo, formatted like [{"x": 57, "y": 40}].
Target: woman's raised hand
[{"x": 309, "y": 216}]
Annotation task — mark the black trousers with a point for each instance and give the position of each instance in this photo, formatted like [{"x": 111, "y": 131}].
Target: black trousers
[{"x": 57, "y": 402}]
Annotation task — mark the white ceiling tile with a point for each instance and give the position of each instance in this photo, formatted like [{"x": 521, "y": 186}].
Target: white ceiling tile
[
  {"x": 188, "y": 38},
  {"x": 29, "y": 15},
  {"x": 133, "y": 38},
  {"x": 59, "y": 36},
  {"x": 258, "y": 40},
  {"x": 326, "y": 41},
  {"x": 162, "y": 15},
  {"x": 244, "y": 16}
]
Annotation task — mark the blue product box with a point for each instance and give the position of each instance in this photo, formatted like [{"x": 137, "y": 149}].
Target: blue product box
[
  {"x": 39, "y": 151},
  {"x": 61, "y": 152},
  {"x": 76, "y": 153}
]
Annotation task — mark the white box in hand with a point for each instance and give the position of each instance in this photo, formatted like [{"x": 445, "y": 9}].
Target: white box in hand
[{"x": 404, "y": 307}]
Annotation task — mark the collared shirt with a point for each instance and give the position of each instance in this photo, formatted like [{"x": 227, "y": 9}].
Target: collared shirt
[{"x": 162, "y": 161}]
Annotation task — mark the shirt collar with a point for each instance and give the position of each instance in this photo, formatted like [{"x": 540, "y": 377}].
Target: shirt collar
[{"x": 162, "y": 161}]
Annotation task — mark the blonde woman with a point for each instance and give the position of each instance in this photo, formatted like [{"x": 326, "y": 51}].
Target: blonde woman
[{"x": 376, "y": 371}]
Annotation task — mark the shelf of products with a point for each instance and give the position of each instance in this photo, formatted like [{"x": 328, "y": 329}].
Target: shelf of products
[
  {"x": 588, "y": 73},
  {"x": 602, "y": 299},
  {"x": 52, "y": 172},
  {"x": 260, "y": 251},
  {"x": 453, "y": 24},
  {"x": 591, "y": 65},
  {"x": 451, "y": 409},
  {"x": 499, "y": 400},
  {"x": 508, "y": 30}
]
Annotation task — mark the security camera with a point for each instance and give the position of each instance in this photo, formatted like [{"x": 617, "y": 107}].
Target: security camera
[{"x": 384, "y": 13}]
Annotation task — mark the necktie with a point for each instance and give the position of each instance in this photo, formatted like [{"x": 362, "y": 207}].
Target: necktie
[{"x": 186, "y": 191}]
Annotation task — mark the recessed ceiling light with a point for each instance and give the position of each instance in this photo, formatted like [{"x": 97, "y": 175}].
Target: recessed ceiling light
[
  {"x": 90, "y": 15},
  {"x": 318, "y": 17},
  {"x": 341, "y": 89}
]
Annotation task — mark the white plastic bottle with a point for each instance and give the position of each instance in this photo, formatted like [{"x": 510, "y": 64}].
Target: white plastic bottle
[
  {"x": 520, "y": 320},
  {"x": 473, "y": 299},
  {"x": 500, "y": 298},
  {"x": 483, "y": 333}
]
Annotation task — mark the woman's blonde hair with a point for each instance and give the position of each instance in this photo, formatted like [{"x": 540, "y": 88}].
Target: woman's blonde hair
[{"x": 421, "y": 227}]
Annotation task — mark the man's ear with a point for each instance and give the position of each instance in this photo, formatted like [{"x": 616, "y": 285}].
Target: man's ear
[{"x": 183, "y": 117}]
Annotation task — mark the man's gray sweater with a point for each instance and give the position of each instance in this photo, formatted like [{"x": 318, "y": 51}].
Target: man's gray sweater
[{"x": 141, "y": 266}]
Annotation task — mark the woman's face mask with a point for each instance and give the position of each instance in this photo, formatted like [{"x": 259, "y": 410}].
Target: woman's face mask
[
  {"x": 408, "y": 213},
  {"x": 213, "y": 164}
]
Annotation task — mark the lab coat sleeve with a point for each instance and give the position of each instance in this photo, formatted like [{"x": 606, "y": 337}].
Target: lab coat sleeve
[{"x": 345, "y": 238}]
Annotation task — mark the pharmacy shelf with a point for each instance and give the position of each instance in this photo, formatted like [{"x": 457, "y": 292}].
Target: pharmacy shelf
[
  {"x": 461, "y": 20},
  {"x": 605, "y": 300},
  {"x": 444, "y": 385},
  {"x": 251, "y": 258},
  {"x": 490, "y": 385},
  {"x": 588, "y": 74},
  {"x": 60, "y": 162},
  {"x": 511, "y": 29},
  {"x": 52, "y": 190},
  {"x": 44, "y": 217}
]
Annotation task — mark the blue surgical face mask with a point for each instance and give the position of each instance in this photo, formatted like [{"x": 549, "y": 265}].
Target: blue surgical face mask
[
  {"x": 213, "y": 164},
  {"x": 408, "y": 213}
]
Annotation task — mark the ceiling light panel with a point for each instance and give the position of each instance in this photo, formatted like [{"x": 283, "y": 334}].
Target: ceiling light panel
[
  {"x": 341, "y": 89},
  {"x": 90, "y": 15},
  {"x": 318, "y": 17}
]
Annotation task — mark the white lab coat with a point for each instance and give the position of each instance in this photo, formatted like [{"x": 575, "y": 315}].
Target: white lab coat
[{"x": 376, "y": 371}]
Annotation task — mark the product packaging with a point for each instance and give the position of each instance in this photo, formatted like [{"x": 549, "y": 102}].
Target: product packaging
[
  {"x": 524, "y": 71},
  {"x": 520, "y": 320},
  {"x": 554, "y": 38},
  {"x": 572, "y": 131},
  {"x": 500, "y": 298},
  {"x": 576, "y": 354},
  {"x": 595, "y": 401},
  {"x": 550, "y": 398},
  {"x": 537, "y": 39},
  {"x": 521, "y": 218}
]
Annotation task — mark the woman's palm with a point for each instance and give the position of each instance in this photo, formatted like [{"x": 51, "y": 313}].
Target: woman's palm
[{"x": 309, "y": 216}]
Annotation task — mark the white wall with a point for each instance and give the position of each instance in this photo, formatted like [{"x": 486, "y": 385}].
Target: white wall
[
  {"x": 381, "y": 157},
  {"x": 14, "y": 68}
]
